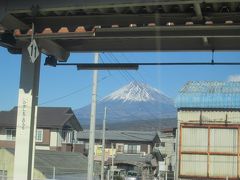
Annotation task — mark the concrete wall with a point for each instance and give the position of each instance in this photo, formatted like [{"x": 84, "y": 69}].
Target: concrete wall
[{"x": 6, "y": 164}]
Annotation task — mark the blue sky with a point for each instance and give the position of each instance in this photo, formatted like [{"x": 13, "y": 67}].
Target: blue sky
[{"x": 65, "y": 86}]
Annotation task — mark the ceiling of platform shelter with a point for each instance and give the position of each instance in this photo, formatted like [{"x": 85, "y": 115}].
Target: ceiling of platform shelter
[{"x": 110, "y": 25}]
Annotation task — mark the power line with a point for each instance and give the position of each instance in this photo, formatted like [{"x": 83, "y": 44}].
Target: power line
[
  {"x": 140, "y": 75},
  {"x": 131, "y": 77},
  {"x": 71, "y": 93}
]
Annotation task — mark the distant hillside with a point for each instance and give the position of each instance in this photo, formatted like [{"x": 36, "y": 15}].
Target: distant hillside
[{"x": 142, "y": 125}]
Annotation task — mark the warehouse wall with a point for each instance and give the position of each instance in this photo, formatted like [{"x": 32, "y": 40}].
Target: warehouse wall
[
  {"x": 209, "y": 116},
  {"x": 208, "y": 144}
]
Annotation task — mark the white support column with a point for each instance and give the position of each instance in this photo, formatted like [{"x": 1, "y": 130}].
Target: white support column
[{"x": 26, "y": 118}]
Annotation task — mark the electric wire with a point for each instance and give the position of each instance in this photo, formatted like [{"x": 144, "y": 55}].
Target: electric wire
[
  {"x": 71, "y": 93},
  {"x": 132, "y": 78}
]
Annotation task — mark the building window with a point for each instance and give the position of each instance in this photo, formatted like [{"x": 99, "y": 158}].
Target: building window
[
  {"x": 80, "y": 142},
  {"x": 39, "y": 135},
  {"x": 119, "y": 147},
  {"x": 67, "y": 136},
  {"x": 11, "y": 134},
  {"x": 86, "y": 146},
  {"x": 132, "y": 149},
  {"x": 162, "y": 144},
  {"x": 3, "y": 174}
]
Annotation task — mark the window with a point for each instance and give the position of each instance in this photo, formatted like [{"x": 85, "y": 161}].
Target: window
[
  {"x": 81, "y": 142},
  {"x": 86, "y": 146},
  {"x": 162, "y": 144},
  {"x": 39, "y": 135},
  {"x": 119, "y": 147},
  {"x": 10, "y": 134},
  {"x": 67, "y": 136},
  {"x": 132, "y": 149},
  {"x": 3, "y": 174}
]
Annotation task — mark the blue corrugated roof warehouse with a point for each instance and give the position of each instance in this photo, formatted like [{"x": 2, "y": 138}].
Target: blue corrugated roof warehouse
[{"x": 209, "y": 94}]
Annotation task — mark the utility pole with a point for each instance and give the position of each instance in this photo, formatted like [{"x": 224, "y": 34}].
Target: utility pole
[
  {"x": 112, "y": 161},
  {"x": 103, "y": 143},
  {"x": 92, "y": 123}
]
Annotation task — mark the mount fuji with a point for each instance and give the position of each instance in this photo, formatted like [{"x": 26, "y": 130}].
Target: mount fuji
[{"x": 131, "y": 103}]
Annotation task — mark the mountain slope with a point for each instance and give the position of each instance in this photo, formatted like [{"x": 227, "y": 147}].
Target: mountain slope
[{"x": 135, "y": 101}]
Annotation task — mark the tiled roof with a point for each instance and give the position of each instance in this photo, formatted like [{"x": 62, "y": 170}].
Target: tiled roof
[
  {"x": 120, "y": 135},
  {"x": 65, "y": 163},
  {"x": 48, "y": 117},
  {"x": 209, "y": 94},
  {"x": 137, "y": 159}
]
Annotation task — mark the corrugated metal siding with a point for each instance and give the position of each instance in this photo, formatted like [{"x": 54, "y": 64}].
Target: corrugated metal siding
[
  {"x": 185, "y": 116},
  {"x": 193, "y": 165},
  {"x": 214, "y": 116},
  {"x": 234, "y": 116},
  {"x": 223, "y": 166},
  {"x": 223, "y": 140},
  {"x": 194, "y": 139}
]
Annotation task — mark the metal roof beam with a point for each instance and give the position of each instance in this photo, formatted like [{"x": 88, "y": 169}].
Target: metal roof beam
[
  {"x": 152, "y": 44},
  {"x": 170, "y": 32},
  {"x": 9, "y": 22},
  {"x": 143, "y": 32},
  {"x": 54, "y": 36},
  {"x": 57, "y": 22},
  {"x": 198, "y": 11},
  {"x": 49, "y": 47},
  {"x": 124, "y": 20},
  {"x": 15, "y": 6},
  {"x": 166, "y": 8}
]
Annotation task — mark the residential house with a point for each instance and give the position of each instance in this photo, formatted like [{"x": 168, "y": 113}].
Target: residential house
[
  {"x": 120, "y": 142},
  {"x": 166, "y": 152},
  {"x": 130, "y": 150},
  {"x": 57, "y": 128}
]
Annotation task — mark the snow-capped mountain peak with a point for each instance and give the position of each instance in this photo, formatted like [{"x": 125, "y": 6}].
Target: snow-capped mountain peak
[
  {"x": 135, "y": 101},
  {"x": 136, "y": 92}
]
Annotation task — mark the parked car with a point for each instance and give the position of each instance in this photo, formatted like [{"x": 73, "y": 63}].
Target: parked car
[
  {"x": 132, "y": 175},
  {"x": 119, "y": 174}
]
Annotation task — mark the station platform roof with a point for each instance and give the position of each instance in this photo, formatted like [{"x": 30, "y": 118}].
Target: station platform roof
[{"x": 126, "y": 25}]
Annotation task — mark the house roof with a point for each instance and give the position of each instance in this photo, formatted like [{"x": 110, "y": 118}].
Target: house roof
[
  {"x": 48, "y": 117},
  {"x": 209, "y": 94},
  {"x": 142, "y": 136},
  {"x": 134, "y": 159},
  {"x": 65, "y": 163}
]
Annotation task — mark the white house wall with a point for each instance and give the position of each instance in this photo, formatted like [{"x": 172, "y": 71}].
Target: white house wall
[{"x": 42, "y": 147}]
